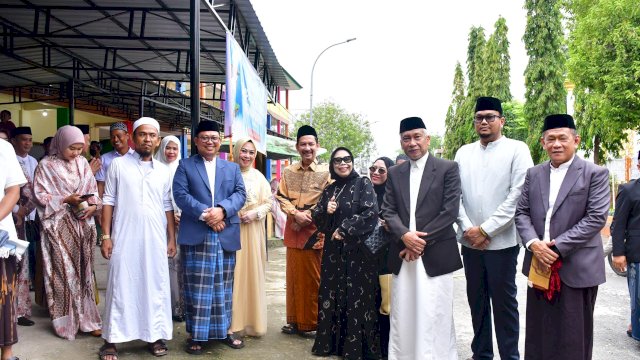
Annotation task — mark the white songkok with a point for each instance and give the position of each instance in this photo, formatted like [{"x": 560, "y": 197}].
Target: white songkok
[{"x": 146, "y": 121}]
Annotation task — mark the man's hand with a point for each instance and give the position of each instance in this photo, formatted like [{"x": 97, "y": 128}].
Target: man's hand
[
  {"x": 302, "y": 218},
  {"x": 332, "y": 205},
  {"x": 249, "y": 216},
  {"x": 475, "y": 238},
  {"x": 413, "y": 242},
  {"x": 216, "y": 214},
  {"x": 620, "y": 262},
  {"x": 106, "y": 248},
  {"x": 95, "y": 164},
  {"x": 320, "y": 243},
  {"x": 408, "y": 255},
  {"x": 542, "y": 251},
  {"x": 176, "y": 217},
  {"x": 218, "y": 227},
  {"x": 171, "y": 249}
]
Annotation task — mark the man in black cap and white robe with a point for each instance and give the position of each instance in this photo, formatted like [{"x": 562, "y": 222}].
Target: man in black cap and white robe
[
  {"x": 492, "y": 172},
  {"x": 564, "y": 203},
  {"x": 420, "y": 206}
]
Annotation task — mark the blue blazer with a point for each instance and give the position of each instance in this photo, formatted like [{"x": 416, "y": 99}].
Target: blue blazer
[{"x": 192, "y": 194}]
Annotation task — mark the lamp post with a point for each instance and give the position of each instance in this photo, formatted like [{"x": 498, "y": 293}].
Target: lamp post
[{"x": 312, "y": 69}]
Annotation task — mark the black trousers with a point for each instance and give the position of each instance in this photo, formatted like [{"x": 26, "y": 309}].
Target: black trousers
[
  {"x": 491, "y": 282},
  {"x": 560, "y": 329}
]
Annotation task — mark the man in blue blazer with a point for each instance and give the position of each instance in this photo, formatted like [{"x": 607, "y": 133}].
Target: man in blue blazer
[{"x": 210, "y": 192}]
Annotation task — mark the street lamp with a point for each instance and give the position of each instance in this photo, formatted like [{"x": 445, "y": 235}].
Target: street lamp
[{"x": 312, "y": 69}]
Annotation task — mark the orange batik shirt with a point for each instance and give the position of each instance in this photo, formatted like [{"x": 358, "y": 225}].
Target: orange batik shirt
[{"x": 300, "y": 190}]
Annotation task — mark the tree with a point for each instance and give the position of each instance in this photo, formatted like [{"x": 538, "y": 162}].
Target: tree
[
  {"x": 544, "y": 75},
  {"x": 604, "y": 64},
  {"x": 337, "y": 127},
  {"x": 454, "y": 122},
  {"x": 515, "y": 123},
  {"x": 496, "y": 63}
]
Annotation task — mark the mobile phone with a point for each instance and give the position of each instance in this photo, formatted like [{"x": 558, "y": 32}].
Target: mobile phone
[{"x": 86, "y": 196}]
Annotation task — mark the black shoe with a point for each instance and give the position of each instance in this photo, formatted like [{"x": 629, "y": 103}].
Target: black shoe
[
  {"x": 178, "y": 318},
  {"x": 23, "y": 321}
]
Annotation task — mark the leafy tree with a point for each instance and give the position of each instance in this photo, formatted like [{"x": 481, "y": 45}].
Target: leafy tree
[
  {"x": 497, "y": 80},
  {"x": 337, "y": 127},
  {"x": 516, "y": 126},
  {"x": 604, "y": 64},
  {"x": 544, "y": 75},
  {"x": 436, "y": 143},
  {"x": 454, "y": 136}
]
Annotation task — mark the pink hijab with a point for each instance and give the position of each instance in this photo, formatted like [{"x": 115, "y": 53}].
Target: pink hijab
[{"x": 65, "y": 137}]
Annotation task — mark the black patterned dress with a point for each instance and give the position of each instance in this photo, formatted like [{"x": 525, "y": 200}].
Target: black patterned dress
[{"x": 347, "y": 312}]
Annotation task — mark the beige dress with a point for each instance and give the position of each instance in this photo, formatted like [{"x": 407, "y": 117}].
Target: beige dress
[{"x": 249, "y": 297}]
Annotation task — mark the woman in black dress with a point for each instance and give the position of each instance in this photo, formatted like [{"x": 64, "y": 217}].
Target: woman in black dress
[
  {"x": 347, "y": 315},
  {"x": 378, "y": 174}
]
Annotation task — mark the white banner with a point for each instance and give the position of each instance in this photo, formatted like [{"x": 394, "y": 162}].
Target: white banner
[{"x": 245, "y": 106}]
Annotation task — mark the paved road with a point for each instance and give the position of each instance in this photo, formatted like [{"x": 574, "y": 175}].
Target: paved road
[{"x": 39, "y": 342}]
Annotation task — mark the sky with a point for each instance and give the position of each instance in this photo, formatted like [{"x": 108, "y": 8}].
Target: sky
[{"x": 401, "y": 64}]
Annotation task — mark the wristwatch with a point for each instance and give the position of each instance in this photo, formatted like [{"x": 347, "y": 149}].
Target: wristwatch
[{"x": 106, "y": 237}]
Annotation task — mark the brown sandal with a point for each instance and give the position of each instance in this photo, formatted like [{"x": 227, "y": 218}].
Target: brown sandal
[
  {"x": 158, "y": 348},
  {"x": 106, "y": 350}
]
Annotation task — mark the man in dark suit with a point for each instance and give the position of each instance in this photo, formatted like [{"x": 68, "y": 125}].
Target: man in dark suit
[
  {"x": 210, "y": 192},
  {"x": 625, "y": 232},
  {"x": 420, "y": 206},
  {"x": 563, "y": 206}
]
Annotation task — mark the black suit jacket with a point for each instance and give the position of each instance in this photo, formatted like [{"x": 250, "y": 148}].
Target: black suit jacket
[
  {"x": 625, "y": 229},
  {"x": 436, "y": 211}
]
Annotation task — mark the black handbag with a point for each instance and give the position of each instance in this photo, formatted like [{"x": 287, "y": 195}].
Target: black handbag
[{"x": 376, "y": 240}]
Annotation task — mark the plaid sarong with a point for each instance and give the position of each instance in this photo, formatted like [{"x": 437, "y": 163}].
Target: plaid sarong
[{"x": 208, "y": 286}]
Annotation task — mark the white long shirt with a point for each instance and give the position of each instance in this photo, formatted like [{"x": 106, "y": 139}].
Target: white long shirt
[
  {"x": 491, "y": 181},
  {"x": 138, "y": 301}
]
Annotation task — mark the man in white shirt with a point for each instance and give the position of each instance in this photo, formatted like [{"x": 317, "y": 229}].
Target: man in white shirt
[
  {"x": 564, "y": 203},
  {"x": 120, "y": 141},
  {"x": 22, "y": 141},
  {"x": 492, "y": 172},
  {"x": 138, "y": 235}
]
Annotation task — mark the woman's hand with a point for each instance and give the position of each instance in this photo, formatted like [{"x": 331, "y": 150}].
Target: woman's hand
[
  {"x": 336, "y": 235},
  {"x": 249, "y": 216},
  {"x": 73, "y": 199},
  {"x": 86, "y": 213},
  {"x": 384, "y": 224},
  {"x": 332, "y": 205}
]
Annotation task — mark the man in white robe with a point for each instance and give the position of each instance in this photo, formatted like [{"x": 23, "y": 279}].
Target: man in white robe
[
  {"x": 139, "y": 234},
  {"x": 420, "y": 205}
]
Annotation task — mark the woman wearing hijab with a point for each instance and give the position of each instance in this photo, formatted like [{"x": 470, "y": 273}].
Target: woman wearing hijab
[
  {"x": 347, "y": 313},
  {"x": 249, "y": 314},
  {"x": 169, "y": 154},
  {"x": 378, "y": 174},
  {"x": 66, "y": 196}
]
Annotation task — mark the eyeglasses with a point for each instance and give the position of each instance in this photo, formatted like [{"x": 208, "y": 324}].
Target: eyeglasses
[
  {"x": 345, "y": 159},
  {"x": 209, "y": 138},
  {"x": 478, "y": 119},
  {"x": 379, "y": 170}
]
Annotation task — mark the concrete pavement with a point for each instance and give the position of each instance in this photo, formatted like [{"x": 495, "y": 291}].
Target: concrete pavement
[{"x": 39, "y": 342}]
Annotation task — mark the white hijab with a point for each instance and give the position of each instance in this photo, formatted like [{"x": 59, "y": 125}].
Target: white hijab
[{"x": 163, "y": 159}]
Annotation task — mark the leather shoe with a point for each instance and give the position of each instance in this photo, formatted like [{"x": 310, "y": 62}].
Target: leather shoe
[{"x": 23, "y": 321}]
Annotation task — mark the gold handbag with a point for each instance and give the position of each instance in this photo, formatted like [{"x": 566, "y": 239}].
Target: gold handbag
[{"x": 385, "y": 293}]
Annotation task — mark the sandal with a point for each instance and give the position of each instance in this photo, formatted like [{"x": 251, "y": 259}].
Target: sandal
[
  {"x": 107, "y": 350},
  {"x": 193, "y": 347},
  {"x": 158, "y": 348},
  {"x": 230, "y": 341},
  {"x": 290, "y": 329}
]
